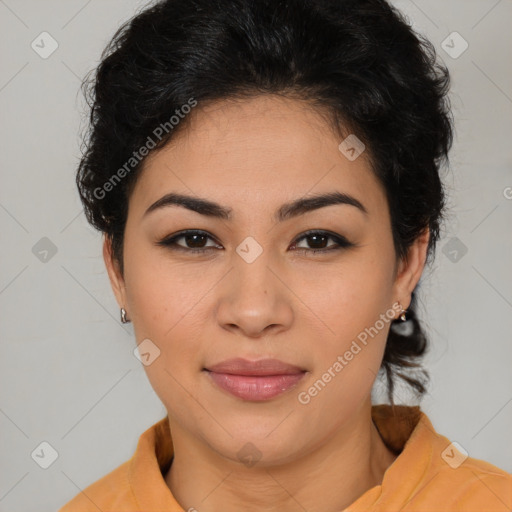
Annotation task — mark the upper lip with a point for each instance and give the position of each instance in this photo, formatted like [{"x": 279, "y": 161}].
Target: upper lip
[{"x": 240, "y": 366}]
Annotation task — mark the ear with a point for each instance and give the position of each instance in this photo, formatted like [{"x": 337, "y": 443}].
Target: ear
[
  {"x": 410, "y": 269},
  {"x": 114, "y": 273}
]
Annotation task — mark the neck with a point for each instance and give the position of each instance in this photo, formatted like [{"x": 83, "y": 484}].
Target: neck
[{"x": 328, "y": 478}]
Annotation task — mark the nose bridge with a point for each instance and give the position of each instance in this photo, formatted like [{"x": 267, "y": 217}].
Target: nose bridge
[
  {"x": 252, "y": 272},
  {"x": 253, "y": 297}
]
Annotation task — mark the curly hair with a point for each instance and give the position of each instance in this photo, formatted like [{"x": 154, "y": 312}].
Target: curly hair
[{"x": 358, "y": 61}]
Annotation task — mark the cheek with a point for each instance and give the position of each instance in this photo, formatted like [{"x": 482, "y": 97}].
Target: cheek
[
  {"x": 168, "y": 310},
  {"x": 163, "y": 295},
  {"x": 349, "y": 296},
  {"x": 354, "y": 303},
  {"x": 171, "y": 305}
]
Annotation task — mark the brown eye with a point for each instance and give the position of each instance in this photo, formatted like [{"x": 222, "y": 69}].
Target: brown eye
[
  {"x": 318, "y": 241},
  {"x": 193, "y": 241}
]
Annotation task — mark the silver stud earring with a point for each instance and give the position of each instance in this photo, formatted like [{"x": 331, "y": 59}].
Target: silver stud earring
[{"x": 123, "y": 316}]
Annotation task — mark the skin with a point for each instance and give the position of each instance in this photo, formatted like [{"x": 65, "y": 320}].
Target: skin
[{"x": 299, "y": 307}]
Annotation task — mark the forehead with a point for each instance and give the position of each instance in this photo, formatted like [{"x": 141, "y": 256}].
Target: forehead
[{"x": 253, "y": 152}]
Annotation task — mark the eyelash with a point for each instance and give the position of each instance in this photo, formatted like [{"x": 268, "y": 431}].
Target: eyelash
[{"x": 341, "y": 242}]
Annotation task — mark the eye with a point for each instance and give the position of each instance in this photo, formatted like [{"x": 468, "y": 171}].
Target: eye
[
  {"x": 196, "y": 241},
  {"x": 319, "y": 239}
]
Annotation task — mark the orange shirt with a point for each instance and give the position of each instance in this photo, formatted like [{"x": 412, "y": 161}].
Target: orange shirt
[{"x": 430, "y": 474}]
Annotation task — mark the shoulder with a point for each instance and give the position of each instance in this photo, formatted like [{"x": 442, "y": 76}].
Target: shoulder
[
  {"x": 467, "y": 483},
  {"x": 110, "y": 492},
  {"x": 463, "y": 484},
  {"x": 476, "y": 485},
  {"x": 434, "y": 473}
]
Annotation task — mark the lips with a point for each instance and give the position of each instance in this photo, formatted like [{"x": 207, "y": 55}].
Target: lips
[
  {"x": 255, "y": 380},
  {"x": 239, "y": 366}
]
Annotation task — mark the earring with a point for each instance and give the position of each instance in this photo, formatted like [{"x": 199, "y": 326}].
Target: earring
[
  {"x": 123, "y": 316},
  {"x": 402, "y": 313}
]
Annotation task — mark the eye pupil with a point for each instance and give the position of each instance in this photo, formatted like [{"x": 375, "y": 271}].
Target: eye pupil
[
  {"x": 195, "y": 237},
  {"x": 317, "y": 237}
]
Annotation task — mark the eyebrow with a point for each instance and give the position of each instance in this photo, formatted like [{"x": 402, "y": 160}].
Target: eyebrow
[{"x": 286, "y": 211}]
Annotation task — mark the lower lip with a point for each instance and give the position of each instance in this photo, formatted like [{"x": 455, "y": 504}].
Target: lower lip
[{"x": 255, "y": 388}]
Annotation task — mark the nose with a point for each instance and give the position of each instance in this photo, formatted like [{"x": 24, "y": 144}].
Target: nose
[{"x": 254, "y": 299}]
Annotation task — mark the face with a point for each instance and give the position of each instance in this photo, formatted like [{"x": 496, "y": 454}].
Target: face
[{"x": 314, "y": 286}]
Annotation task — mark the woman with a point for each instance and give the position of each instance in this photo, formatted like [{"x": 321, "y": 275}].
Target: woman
[{"x": 266, "y": 175}]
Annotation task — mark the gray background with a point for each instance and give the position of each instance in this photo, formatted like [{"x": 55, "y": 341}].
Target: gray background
[{"x": 68, "y": 373}]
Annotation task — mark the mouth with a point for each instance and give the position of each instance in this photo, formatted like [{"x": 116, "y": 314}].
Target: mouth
[{"x": 255, "y": 380}]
